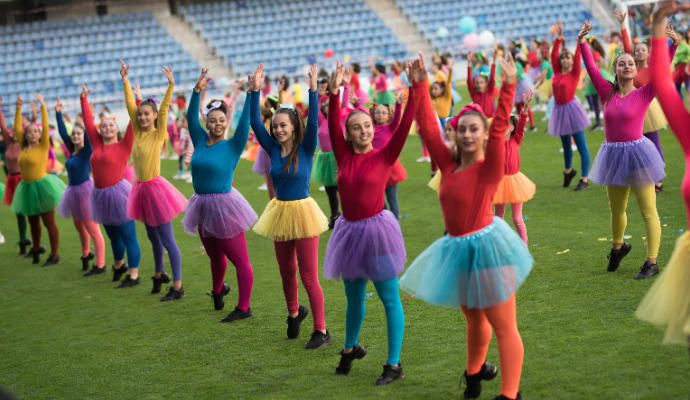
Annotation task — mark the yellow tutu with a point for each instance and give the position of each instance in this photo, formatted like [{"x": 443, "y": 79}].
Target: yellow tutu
[
  {"x": 667, "y": 303},
  {"x": 545, "y": 90},
  {"x": 291, "y": 220},
  {"x": 654, "y": 120},
  {"x": 516, "y": 188},
  {"x": 435, "y": 182}
]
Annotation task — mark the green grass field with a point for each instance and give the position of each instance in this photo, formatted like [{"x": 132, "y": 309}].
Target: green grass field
[{"x": 63, "y": 336}]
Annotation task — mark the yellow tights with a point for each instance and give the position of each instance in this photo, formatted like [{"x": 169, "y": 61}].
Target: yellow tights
[{"x": 646, "y": 201}]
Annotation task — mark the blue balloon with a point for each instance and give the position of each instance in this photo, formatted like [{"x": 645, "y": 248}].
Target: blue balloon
[{"x": 468, "y": 24}]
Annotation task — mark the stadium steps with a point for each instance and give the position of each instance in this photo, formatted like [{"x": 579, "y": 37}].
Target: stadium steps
[
  {"x": 601, "y": 10},
  {"x": 194, "y": 44},
  {"x": 401, "y": 26}
]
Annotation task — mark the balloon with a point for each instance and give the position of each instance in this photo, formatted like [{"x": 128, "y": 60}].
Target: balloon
[
  {"x": 470, "y": 41},
  {"x": 346, "y": 58},
  {"x": 442, "y": 32},
  {"x": 486, "y": 38},
  {"x": 468, "y": 24},
  {"x": 328, "y": 53},
  {"x": 223, "y": 81}
]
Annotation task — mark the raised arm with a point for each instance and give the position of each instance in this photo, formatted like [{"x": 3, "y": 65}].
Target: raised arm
[
  {"x": 494, "y": 160},
  {"x": 18, "y": 127},
  {"x": 602, "y": 86},
  {"x": 448, "y": 94},
  {"x": 87, "y": 116},
  {"x": 396, "y": 143},
  {"x": 196, "y": 131},
  {"x": 555, "y": 54},
  {"x": 45, "y": 136},
  {"x": 519, "y": 133},
  {"x": 311, "y": 134},
  {"x": 492, "y": 78},
  {"x": 256, "y": 82},
  {"x": 470, "y": 80},
  {"x": 62, "y": 129},
  {"x": 397, "y": 113},
  {"x": 627, "y": 45},
  {"x": 239, "y": 139},
  {"x": 335, "y": 128},
  {"x": 130, "y": 103},
  {"x": 4, "y": 130},
  {"x": 165, "y": 104}
]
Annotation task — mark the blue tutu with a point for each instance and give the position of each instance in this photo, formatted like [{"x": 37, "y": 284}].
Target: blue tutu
[{"x": 477, "y": 270}]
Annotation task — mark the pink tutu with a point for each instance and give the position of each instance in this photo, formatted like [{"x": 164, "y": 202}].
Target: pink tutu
[
  {"x": 155, "y": 202},
  {"x": 219, "y": 215},
  {"x": 130, "y": 175},
  {"x": 76, "y": 201}
]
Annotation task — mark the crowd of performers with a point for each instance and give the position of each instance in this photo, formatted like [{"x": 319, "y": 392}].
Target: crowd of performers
[{"x": 353, "y": 150}]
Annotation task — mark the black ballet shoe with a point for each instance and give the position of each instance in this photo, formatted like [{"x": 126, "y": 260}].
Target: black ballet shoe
[
  {"x": 237, "y": 315},
  {"x": 358, "y": 352},
  {"x": 85, "y": 261},
  {"x": 118, "y": 272},
  {"x": 390, "y": 374},
  {"x": 616, "y": 256},
  {"x": 95, "y": 271},
  {"x": 23, "y": 245},
  {"x": 32, "y": 253},
  {"x": 473, "y": 382},
  {"x": 218, "y": 303},
  {"x": 648, "y": 270},
  {"x": 295, "y": 322},
  {"x": 332, "y": 221},
  {"x": 128, "y": 282},
  {"x": 318, "y": 339},
  {"x": 568, "y": 177},
  {"x": 173, "y": 294},
  {"x": 52, "y": 260},
  {"x": 158, "y": 282},
  {"x": 581, "y": 185}
]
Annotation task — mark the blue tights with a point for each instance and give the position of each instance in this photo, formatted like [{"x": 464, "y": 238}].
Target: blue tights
[
  {"x": 124, "y": 237},
  {"x": 581, "y": 144},
  {"x": 388, "y": 292},
  {"x": 162, "y": 238}
]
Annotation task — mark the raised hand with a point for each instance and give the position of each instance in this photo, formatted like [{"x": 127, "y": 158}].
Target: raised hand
[
  {"x": 168, "y": 72},
  {"x": 620, "y": 15},
  {"x": 19, "y": 102},
  {"x": 470, "y": 57},
  {"x": 258, "y": 78},
  {"x": 202, "y": 82},
  {"x": 124, "y": 69},
  {"x": 584, "y": 31},
  {"x": 58, "y": 105},
  {"x": 336, "y": 78},
  {"x": 137, "y": 91},
  {"x": 84, "y": 90},
  {"x": 672, "y": 34},
  {"x": 347, "y": 77},
  {"x": 508, "y": 67},
  {"x": 401, "y": 97},
  {"x": 526, "y": 98},
  {"x": 417, "y": 69},
  {"x": 313, "y": 78}
]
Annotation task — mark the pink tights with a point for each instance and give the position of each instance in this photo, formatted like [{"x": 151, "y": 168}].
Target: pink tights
[{"x": 517, "y": 218}]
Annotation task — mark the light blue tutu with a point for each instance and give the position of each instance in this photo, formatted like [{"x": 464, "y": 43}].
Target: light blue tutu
[{"x": 478, "y": 270}]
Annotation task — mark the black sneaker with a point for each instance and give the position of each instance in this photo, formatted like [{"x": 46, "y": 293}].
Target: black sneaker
[
  {"x": 218, "y": 303},
  {"x": 581, "y": 185},
  {"x": 173, "y": 294},
  {"x": 358, "y": 352},
  {"x": 52, "y": 260},
  {"x": 616, "y": 256},
  {"x": 295, "y": 322},
  {"x": 23, "y": 244},
  {"x": 118, "y": 272},
  {"x": 317, "y": 340},
  {"x": 648, "y": 270},
  {"x": 473, "y": 383},
  {"x": 128, "y": 282},
  {"x": 237, "y": 315},
  {"x": 390, "y": 373},
  {"x": 95, "y": 271},
  {"x": 502, "y": 397},
  {"x": 31, "y": 252},
  {"x": 331, "y": 222},
  {"x": 158, "y": 282},
  {"x": 568, "y": 177},
  {"x": 85, "y": 261}
]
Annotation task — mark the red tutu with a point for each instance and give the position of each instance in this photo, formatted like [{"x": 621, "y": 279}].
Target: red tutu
[
  {"x": 398, "y": 174},
  {"x": 10, "y": 186},
  {"x": 155, "y": 202}
]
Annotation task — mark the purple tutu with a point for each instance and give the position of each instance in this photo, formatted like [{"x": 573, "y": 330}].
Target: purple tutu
[
  {"x": 635, "y": 163},
  {"x": 262, "y": 165},
  {"x": 76, "y": 201},
  {"x": 524, "y": 85},
  {"x": 220, "y": 215},
  {"x": 109, "y": 204},
  {"x": 371, "y": 248},
  {"x": 568, "y": 118}
]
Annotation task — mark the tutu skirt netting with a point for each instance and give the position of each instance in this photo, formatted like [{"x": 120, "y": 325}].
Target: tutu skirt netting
[
  {"x": 220, "y": 215},
  {"x": 568, "y": 118},
  {"x": 109, "y": 204},
  {"x": 654, "y": 120},
  {"x": 325, "y": 170},
  {"x": 545, "y": 90},
  {"x": 398, "y": 174},
  {"x": 155, "y": 202},
  {"x": 523, "y": 86},
  {"x": 11, "y": 187},
  {"x": 76, "y": 201},
  {"x": 386, "y": 98},
  {"x": 371, "y": 248},
  {"x": 667, "y": 303},
  {"x": 262, "y": 165},
  {"x": 435, "y": 182},
  {"x": 516, "y": 188},
  {"x": 291, "y": 220},
  {"x": 477, "y": 270},
  {"x": 635, "y": 163},
  {"x": 39, "y": 196}
]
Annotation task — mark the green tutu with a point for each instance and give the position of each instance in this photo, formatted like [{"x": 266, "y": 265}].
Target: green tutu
[
  {"x": 386, "y": 98},
  {"x": 2, "y": 189},
  {"x": 325, "y": 170},
  {"x": 39, "y": 196}
]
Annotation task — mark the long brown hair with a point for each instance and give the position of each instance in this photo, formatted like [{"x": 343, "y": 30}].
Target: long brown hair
[
  {"x": 616, "y": 85},
  {"x": 297, "y": 137},
  {"x": 454, "y": 139}
]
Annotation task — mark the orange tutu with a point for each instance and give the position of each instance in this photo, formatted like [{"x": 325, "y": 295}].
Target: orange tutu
[
  {"x": 398, "y": 174},
  {"x": 516, "y": 188}
]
